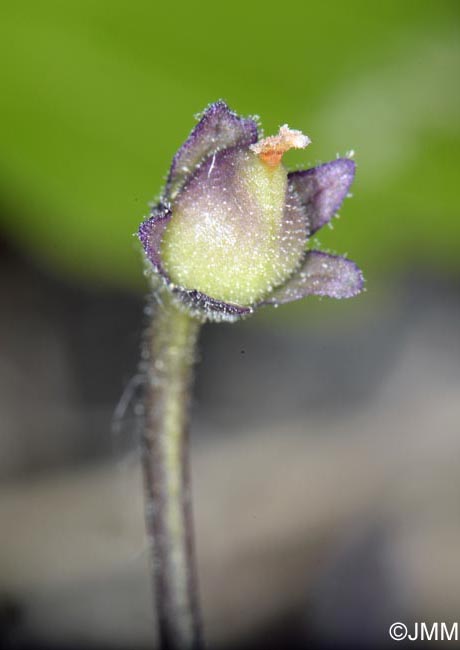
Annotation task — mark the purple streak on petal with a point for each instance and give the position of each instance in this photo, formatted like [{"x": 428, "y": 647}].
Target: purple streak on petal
[
  {"x": 320, "y": 275},
  {"x": 150, "y": 234},
  {"x": 322, "y": 189},
  {"x": 205, "y": 304},
  {"x": 296, "y": 227},
  {"x": 218, "y": 129}
]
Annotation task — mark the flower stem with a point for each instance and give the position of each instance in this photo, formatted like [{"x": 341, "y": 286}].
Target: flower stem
[{"x": 165, "y": 456}]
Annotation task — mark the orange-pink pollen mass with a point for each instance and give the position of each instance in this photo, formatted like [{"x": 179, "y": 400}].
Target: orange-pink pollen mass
[{"x": 270, "y": 150}]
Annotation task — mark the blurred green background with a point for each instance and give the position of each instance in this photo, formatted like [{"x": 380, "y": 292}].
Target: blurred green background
[{"x": 98, "y": 95}]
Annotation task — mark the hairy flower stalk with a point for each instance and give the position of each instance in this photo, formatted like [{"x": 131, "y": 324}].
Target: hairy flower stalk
[
  {"x": 229, "y": 235},
  {"x": 165, "y": 460}
]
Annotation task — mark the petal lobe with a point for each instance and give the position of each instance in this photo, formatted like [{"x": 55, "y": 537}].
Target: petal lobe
[
  {"x": 219, "y": 129},
  {"x": 321, "y": 274},
  {"x": 322, "y": 189}
]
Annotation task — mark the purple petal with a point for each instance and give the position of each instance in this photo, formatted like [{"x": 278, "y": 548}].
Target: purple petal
[
  {"x": 151, "y": 232},
  {"x": 218, "y": 129},
  {"x": 320, "y": 275},
  {"x": 322, "y": 189}
]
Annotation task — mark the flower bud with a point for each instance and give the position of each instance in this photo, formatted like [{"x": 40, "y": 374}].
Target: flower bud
[
  {"x": 231, "y": 235},
  {"x": 232, "y": 228}
]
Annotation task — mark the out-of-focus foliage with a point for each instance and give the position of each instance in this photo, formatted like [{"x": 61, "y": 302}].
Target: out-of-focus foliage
[{"x": 97, "y": 95}]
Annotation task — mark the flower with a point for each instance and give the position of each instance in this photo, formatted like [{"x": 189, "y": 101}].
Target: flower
[{"x": 231, "y": 229}]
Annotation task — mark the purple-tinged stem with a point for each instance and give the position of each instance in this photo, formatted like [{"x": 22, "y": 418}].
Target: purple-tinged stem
[{"x": 165, "y": 456}]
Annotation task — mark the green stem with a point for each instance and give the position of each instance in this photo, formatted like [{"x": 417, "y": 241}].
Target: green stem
[{"x": 165, "y": 456}]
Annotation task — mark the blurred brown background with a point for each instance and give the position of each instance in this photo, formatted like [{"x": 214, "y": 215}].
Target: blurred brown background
[{"x": 326, "y": 436}]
